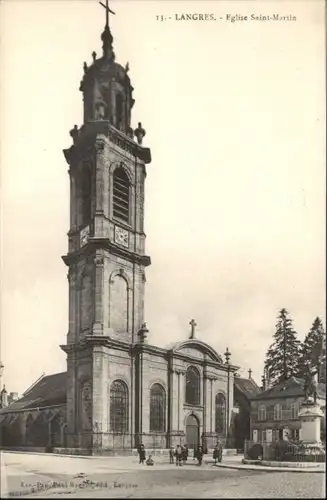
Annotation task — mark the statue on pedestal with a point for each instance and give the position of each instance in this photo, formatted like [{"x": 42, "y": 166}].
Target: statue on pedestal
[{"x": 310, "y": 386}]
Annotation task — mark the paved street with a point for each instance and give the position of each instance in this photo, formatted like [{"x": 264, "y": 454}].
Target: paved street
[{"x": 124, "y": 477}]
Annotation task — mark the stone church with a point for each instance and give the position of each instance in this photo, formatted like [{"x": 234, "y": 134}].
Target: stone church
[{"x": 119, "y": 390}]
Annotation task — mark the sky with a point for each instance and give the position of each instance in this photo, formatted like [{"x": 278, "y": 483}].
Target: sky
[{"x": 235, "y": 195}]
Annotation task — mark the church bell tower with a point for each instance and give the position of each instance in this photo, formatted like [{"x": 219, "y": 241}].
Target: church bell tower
[{"x": 106, "y": 257}]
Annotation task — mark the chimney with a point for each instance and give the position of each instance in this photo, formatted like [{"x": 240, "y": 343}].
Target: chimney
[{"x": 264, "y": 383}]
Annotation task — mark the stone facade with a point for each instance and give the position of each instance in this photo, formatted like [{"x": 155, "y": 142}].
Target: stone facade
[
  {"x": 121, "y": 391},
  {"x": 106, "y": 260}
]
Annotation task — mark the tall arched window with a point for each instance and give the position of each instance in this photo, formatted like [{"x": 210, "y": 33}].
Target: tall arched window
[
  {"x": 192, "y": 395},
  {"x": 121, "y": 205},
  {"x": 118, "y": 406},
  {"x": 262, "y": 412},
  {"x": 220, "y": 419},
  {"x": 278, "y": 412},
  {"x": 157, "y": 408}
]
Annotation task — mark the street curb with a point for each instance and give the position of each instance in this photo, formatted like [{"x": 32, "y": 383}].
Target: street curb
[
  {"x": 262, "y": 468},
  {"x": 59, "y": 455}
]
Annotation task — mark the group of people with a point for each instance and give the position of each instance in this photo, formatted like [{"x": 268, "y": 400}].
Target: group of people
[{"x": 180, "y": 454}]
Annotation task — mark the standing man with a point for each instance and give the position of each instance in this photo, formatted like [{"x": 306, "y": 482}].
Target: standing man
[
  {"x": 171, "y": 455},
  {"x": 219, "y": 446},
  {"x": 200, "y": 455},
  {"x": 141, "y": 451},
  {"x": 179, "y": 456},
  {"x": 185, "y": 453}
]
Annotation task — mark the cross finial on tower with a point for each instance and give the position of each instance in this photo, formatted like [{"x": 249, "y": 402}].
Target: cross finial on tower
[
  {"x": 193, "y": 325},
  {"x": 250, "y": 373},
  {"x": 106, "y": 35},
  {"x": 107, "y": 11}
]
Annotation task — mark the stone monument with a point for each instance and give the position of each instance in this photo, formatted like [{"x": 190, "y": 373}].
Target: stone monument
[{"x": 310, "y": 416}]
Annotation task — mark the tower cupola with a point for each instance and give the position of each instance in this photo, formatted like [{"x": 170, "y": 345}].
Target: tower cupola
[{"x": 106, "y": 86}]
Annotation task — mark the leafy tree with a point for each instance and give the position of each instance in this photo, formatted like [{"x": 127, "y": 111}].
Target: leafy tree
[
  {"x": 313, "y": 349},
  {"x": 282, "y": 358}
]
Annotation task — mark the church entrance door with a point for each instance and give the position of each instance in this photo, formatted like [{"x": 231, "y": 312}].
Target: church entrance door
[{"x": 192, "y": 432}]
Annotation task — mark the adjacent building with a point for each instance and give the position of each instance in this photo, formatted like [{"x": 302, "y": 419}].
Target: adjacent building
[{"x": 274, "y": 412}]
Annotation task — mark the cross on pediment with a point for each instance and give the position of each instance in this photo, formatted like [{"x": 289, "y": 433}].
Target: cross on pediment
[
  {"x": 250, "y": 373},
  {"x": 193, "y": 325}
]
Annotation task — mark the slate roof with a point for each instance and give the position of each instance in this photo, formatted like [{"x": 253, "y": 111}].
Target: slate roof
[
  {"x": 49, "y": 390},
  {"x": 247, "y": 386},
  {"x": 290, "y": 388}
]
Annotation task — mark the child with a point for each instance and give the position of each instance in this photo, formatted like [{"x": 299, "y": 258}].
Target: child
[{"x": 150, "y": 461}]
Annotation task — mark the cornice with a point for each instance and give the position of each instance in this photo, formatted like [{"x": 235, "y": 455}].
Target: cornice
[
  {"x": 150, "y": 349},
  {"x": 92, "y": 129},
  {"x": 94, "y": 244},
  {"x": 91, "y": 341}
]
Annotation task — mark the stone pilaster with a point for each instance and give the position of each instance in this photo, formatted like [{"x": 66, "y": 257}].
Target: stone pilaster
[
  {"x": 176, "y": 396},
  {"x": 99, "y": 176},
  {"x": 72, "y": 330},
  {"x": 73, "y": 197},
  {"x": 209, "y": 434},
  {"x": 98, "y": 295}
]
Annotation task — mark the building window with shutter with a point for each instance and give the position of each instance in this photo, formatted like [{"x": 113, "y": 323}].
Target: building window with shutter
[
  {"x": 278, "y": 412},
  {"x": 262, "y": 413},
  {"x": 294, "y": 411},
  {"x": 121, "y": 195}
]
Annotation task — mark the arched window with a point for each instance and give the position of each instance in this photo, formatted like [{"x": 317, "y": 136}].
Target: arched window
[
  {"x": 192, "y": 396},
  {"x": 118, "y": 406},
  {"x": 278, "y": 412},
  {"x": 220, "y": 419},
  {"x": 262, "y": 412},
  {"x": 121, "y": 195},
  {"x": 294, "y": 411},
  {"x": 118, "y": 310},
  {"x": 157, "y": 408}
]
